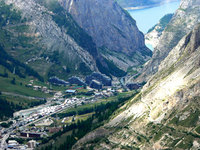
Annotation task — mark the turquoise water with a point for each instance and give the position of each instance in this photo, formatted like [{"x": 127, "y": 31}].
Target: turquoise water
[
  {"x": 147, "y": 18},
  {"x": 150, "y": 46}
]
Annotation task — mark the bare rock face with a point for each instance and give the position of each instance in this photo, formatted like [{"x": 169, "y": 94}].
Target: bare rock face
[
  {"x": 78, "y": 37},
  {"x": 184, "y": 20},
  {"x": 167, "y": 109},
  {"x": 109, "y": 26},
  {"x": 51, "y": 38}
]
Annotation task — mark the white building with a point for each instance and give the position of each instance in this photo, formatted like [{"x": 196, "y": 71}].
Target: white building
[{"x": 31, "y": 144}]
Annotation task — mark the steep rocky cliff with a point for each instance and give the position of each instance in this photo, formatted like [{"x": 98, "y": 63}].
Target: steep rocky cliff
[
  {"x": 112, "y": 29},
  {"x": 184, "y": 19},
  {"x": 76, "y": 39},
  {"x": 40, "y": 37},
  {"x": 165, "y": 114}
]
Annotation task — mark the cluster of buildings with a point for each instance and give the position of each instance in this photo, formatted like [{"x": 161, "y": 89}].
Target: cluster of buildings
[
  {"x": 95, "y": 80},
  {"x": 50, "y": 109},
  {"x": 98, "y": 80},
  {"x": 41, "y": 117},
  {"x": 43, "y": 89},
  {"x": 33, "y": 132},
  {"x": 13, "y": 144},
  {"x": 105, "y": 93}
]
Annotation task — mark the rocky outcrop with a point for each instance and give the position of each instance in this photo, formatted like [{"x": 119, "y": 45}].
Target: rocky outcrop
[
  {"x": 165, "y": 115},
  {"x": 183, "y": 21},
  {"x": 55, "y": 45},
  {"x": 108, "y": 24},
  {"x": 111, "y": 28},
  {"x": 67, "y": 37},
  {"x": 57, "y": 81},
  {"x": 154, "y": 34}
]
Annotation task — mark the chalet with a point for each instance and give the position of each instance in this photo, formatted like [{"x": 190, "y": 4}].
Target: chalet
[
  {"x": 36, "y": 87},
  {"x": 12, "y": 144}
]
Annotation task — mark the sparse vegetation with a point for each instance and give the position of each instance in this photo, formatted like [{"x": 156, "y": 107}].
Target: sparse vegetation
[{"x": 162, "y": 23}]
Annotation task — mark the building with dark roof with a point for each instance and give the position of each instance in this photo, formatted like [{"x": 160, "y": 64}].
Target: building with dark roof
[
  {"x": 96, "y": 85},
  {"x": 134, "y": 86},
  {"x": 30, "y": 135},
  {"x": 103, "y": 79},
  {"x": 76, "y": 80},
  {"x": 56, "y": 80}
]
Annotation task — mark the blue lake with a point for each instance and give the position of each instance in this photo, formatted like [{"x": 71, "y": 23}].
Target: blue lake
[{"x": 147, "y": 18}]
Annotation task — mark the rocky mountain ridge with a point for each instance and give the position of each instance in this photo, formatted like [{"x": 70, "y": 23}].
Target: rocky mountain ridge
[
  {"x": 41, "y": 28},
  {"x": 153, "y": 35},
  {"x": 165, "y": 115},
  {"x": 56, "y": 40},
  {"x": 183, "y": 21},
  {"x": 113, "y": 30}
]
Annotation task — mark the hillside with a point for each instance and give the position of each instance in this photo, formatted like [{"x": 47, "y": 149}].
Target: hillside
[
  {"x": 14, "y": 93},
  {"x": 165, "y": 115},
  {"x": 41, "y": 38},
  {"x": 37, "y": 40},
  {"x": 50, "y": 39},
  {"x": 183, "y": 21},
  {"x": 153, "y": 35},
  {"x": 112, "y": 29}
]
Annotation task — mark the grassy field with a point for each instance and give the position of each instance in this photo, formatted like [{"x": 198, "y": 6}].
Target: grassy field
[{"x": 19, "y": 87}]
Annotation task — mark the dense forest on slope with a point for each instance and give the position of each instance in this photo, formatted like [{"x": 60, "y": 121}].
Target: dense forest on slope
[{"x": 9, "y": 105}]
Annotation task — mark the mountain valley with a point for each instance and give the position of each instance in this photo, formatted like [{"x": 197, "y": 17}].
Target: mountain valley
[{"x": 77, "y": 75}]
